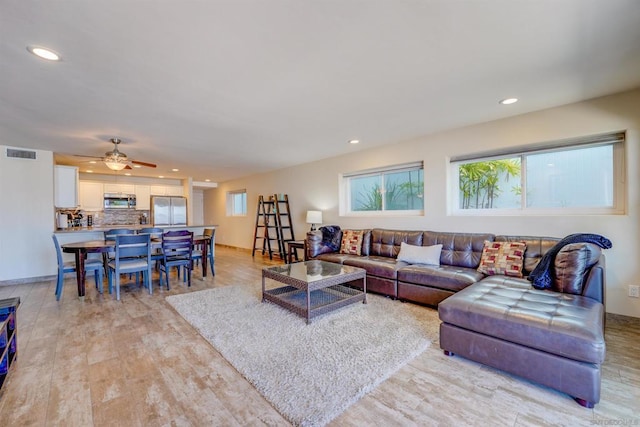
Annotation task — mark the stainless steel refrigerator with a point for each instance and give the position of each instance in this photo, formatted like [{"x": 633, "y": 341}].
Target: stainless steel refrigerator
[{"x": 167, "y": 210}]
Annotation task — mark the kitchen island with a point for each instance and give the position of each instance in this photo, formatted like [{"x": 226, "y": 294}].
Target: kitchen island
[{"x": 197, "y": 229}]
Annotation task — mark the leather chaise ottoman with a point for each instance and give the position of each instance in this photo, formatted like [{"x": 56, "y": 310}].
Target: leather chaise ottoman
[{"x": 552, "y": 338}]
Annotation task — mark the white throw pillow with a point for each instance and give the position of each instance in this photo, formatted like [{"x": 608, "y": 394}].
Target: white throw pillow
[{"x": 420, "y": 254}]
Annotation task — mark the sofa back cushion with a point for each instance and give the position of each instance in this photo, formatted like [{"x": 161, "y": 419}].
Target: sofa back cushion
[
  {"x": 536, "y": 248},
  {"x": 458, "y": 249},
  {"x": 387, "y": 242}
]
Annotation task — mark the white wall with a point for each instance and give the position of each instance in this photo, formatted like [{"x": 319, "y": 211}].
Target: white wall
[
  {"x": 26, "y": 216},
  {"x": 315, "y": 186},
  {"x": 197, "y": 202}
]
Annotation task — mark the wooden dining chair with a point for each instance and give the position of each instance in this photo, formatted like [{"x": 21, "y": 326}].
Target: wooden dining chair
[
  {"x": 197, "y": 253},
  {"x": 132, "y": 255},
  {"x": 90, "y": 264},
  {"x": 177, "y": 249}
]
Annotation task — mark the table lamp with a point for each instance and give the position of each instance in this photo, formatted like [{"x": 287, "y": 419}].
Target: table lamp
[{"x": 313, "y": 218}]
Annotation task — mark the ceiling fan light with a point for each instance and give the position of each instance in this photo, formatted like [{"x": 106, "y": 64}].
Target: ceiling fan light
[{"x": 115, "y": 165}]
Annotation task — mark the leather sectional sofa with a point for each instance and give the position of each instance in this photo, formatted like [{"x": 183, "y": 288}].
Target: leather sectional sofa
[{"x": 553, "y": 337}]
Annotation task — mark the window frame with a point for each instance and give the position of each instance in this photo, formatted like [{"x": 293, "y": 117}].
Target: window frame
[
  {"x": 231, "y": 203},
  {"x": 617, "y": 140},
  {"x": 345, "y": 191}
]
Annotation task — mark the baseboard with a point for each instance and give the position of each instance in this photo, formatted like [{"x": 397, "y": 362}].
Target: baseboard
[{"x": 27, "y": 280}]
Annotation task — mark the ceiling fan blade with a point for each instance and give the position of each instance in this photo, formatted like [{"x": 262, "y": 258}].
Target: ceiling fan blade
[
  {"x": 89, "y": 157},
  {"x": 128, "y": 167},
  {"x": 149, "y": 165}
]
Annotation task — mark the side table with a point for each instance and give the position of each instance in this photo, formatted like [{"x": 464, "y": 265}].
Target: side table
[{"x": 292, "y": 250}]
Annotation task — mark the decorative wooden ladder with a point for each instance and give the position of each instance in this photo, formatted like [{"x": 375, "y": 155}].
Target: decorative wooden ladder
[{"x": 273, "y": 226}]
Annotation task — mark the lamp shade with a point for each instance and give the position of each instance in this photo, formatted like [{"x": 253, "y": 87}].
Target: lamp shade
[
  {"x": 115, "y": 165},
  {"x": 314, "y": 217}
]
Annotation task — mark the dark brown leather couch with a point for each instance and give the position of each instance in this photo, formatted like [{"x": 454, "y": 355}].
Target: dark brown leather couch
[{"x": 555, "y": 338}]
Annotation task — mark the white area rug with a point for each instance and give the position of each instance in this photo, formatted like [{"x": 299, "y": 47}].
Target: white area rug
[{"x": 309, "y": 373}]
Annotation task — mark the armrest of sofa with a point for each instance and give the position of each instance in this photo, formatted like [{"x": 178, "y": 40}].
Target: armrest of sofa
[
  {"x": 314, "y": 245},
  {"x": 579, "y": 270},
  {"x": 595, "y": 282}
]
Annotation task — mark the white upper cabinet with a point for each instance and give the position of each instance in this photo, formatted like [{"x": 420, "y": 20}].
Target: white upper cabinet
[
  {"x": 143, "y": 197},
  {"x": 119, "y": 188},
  {"x": 91, "y": 196},
  {"x": 166, "y": 190},
  {"x": 65, "y": 186},
  {"x": 173, "y": 190}
]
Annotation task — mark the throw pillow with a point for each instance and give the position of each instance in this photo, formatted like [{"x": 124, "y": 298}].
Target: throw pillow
[
  {"x": 502, "y": 258},
  {"x": 420, "y": 254},
  {"x": 351, "y": 242}
]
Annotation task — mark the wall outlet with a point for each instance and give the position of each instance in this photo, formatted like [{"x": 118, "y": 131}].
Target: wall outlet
[{"x": 634, "y": 291}]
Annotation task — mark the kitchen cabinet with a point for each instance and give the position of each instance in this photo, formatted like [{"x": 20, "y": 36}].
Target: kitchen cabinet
[
  {"x": 119, "y": 188},
  {"x": 65, "y": 179},
  {"x": 143, "y": 197},
  {"x": 168, "y": 190},
  {"x": 157, "y": 190},
  {"x": 91, "y": 196},
  {"x": 173, "y": 190}
]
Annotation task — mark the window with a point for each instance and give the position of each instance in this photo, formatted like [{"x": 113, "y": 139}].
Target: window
[
  {"x": 397, "y": 189},
  {"x": 237, "y": 203},
  {"x": 578, "y": 176}
]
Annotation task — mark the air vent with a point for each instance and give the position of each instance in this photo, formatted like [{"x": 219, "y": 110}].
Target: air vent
[{"x": 21, "y": 154}]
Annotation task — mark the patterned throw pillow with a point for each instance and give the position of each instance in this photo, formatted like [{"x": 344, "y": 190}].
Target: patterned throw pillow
[
  {"x": 352, "y": 242},
  {"x": 502, "y": 258}
]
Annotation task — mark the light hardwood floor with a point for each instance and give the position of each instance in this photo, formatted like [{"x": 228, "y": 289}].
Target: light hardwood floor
[{"x": 137, "y": 363}]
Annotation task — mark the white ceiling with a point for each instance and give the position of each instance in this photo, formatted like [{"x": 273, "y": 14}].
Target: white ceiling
[{"x": 223, "y": 89}]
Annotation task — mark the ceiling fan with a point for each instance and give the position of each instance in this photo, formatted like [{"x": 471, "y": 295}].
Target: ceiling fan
[{"x": 116, "y": 160}]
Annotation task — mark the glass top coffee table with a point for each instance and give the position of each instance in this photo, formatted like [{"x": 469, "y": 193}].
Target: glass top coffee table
[{"x": 312, "y": 288}]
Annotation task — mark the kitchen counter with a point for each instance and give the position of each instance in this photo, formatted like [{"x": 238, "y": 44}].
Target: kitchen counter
[{"x": 130, "y": 227}]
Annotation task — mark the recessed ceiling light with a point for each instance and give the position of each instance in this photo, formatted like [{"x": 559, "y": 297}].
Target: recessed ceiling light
[
  {"x": 137, "y": 166},
  {"x": 89, "y": 171},
  {"x": 175, "y": 170},
  {"x": 44, "y": 53},
  {"x": 207, "y": 180},
  {"x": 354, "y": 141},
  {"x": 161, "y": 176},
  {"x": 93, "y": 162},
  {"x": 508, "y": 101},
  {"x": 127, "y": 174}
]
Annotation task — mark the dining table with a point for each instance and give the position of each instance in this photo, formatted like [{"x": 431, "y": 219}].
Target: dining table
[
  {"x": 203, "y": 241},
  {"x": 82, "y": 249}
]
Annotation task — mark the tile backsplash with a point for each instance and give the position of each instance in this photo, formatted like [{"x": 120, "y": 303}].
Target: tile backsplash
[{"x": 114, "y": 217}]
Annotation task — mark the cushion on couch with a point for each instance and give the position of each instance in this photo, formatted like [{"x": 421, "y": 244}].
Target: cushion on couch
[
  {"x": 387, "y": 243},
  {"x": 458, "y": 249},
  {"x": 376, "y": 265},
  {"x": 447, "y": 277},
  {"x": 502, "y": 258},
  {"x": 352, "y": 242},
  {"x": 536, "y": 248},
  {"x": 570, "y": 266},
  {"x": 420, "y": 254}
]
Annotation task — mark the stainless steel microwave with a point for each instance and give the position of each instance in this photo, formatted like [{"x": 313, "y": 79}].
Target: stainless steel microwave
[{"x": 119, "y": 201}]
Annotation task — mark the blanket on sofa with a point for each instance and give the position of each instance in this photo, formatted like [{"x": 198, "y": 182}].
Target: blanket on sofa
[
  {"x": 541, "y": 275},
  {"x": 331, "y": 237}
]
